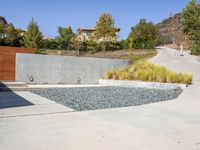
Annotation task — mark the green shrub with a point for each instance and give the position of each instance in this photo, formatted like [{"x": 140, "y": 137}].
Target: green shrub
[
  {"x": 49, "y": 44},
  {"x": 143, "y": 44},
  {"x": 149, "y": 45},
  {"x": 146, "y": 71},
  {"x": 111, "y": 46},
  {"x": 196, "y": 48},
  {"x": 124, "y": 44},
  {"x": 40, "y": 51},
  {"x": 83, "y": 46}
]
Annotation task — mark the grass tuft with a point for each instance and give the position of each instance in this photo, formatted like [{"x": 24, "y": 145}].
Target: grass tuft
[{"x": 146, "y": 71}]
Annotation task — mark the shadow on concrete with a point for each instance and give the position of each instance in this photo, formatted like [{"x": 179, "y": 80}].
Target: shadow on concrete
[{"x": 9, "y": 99}]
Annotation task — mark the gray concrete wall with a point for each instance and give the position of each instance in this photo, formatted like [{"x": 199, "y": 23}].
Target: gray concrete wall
[{"x": 63, "y": 69}]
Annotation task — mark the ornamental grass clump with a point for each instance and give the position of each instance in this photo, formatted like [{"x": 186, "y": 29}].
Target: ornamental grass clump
[{"x": 146, "y": 71}]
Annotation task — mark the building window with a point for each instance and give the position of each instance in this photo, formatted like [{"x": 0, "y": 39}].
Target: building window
[{"x": 88, "y": 34}]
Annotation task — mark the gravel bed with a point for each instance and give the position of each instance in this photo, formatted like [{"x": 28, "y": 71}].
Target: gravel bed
[{"x": 91, "y": 98}]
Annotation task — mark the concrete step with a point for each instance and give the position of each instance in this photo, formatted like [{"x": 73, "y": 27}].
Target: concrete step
[
  {"x": 12, "y": 84},
  {"x": 14, "y": 89},
  {"x": 9, "y": 86}
]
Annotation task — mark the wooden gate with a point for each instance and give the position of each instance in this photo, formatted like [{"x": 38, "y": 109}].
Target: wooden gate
[{"x": 7, "y": 61}]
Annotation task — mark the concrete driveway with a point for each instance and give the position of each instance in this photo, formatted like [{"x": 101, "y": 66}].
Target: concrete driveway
[{"x": 159, "y": 126}]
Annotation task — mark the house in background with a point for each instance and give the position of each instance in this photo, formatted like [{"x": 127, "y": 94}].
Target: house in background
[
  {"x": 21, "y": 32},
  {"x": 85, "y": 34}
]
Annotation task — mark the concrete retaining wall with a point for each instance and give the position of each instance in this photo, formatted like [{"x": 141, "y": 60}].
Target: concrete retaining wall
[
  {"x": 141, "y": 84},
  {"x": 63, "y": 69}
]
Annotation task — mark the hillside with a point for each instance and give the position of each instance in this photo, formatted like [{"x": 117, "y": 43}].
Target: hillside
[
  {"x": 3, "y": 20},
  {"x": 170, "y": 27}
]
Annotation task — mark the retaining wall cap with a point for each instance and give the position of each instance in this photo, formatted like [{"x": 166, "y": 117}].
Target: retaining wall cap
[{"x": 141, "y": 84}]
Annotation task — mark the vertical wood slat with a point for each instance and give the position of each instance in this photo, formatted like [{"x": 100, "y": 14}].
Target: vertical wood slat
[
  {"x": 1, "y": 67},
  {"x": 8, "y": 60}
]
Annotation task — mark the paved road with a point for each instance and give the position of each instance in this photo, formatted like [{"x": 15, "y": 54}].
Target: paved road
[
  {"x": 160, "y": 126},
  {"x": 186, "y": 63}
]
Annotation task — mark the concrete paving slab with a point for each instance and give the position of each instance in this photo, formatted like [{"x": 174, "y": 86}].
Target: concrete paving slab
[
  {"x": 34, "y": 110},
  {"x": 139, "y": 128},
  {"x": 33, "y": 98},
  {"x": 17, "y": 99},
  {"x": 10, "y": 99},
  {"x": 15, "y": 104}
]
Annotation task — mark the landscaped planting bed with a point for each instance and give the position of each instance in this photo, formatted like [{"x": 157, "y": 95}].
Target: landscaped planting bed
[
  {"x": 148, "y": 72},
  {"x": 92, "y": 98}
]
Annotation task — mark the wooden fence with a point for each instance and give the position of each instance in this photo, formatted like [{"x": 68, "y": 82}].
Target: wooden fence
[{"x": 7, "y": 61}]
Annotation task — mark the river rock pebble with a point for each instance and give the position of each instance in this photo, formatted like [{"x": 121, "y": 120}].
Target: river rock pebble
[{"x": 92, "y": 98}]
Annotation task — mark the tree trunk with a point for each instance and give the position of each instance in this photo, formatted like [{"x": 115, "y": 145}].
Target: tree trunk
[{"x": 78, "y": 51}]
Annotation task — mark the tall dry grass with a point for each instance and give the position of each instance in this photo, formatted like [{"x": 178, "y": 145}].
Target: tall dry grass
[{"x": 146, "y": 71}]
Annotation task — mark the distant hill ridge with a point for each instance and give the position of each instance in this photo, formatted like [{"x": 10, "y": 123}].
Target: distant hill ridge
[
  {"x": 170, "y": 27},
  {"x": 3, "y": 21}
]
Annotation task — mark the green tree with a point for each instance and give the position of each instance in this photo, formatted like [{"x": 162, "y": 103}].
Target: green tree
[
  {"x": 196, "y": 48},
  {"x": 106, "y": 30},
  {"x": 64, "y": 37},
  {"x": 91, "y": 45},
  {"x": 124, "y": 44},
  {"x": 160, "y": 40},
  {"x": 143, "y": 35},
  {"x": 11, "y": 35},
  {"x": 49, "y": 44},
  {"x": 33, "y": 37},
  {"x": 2, "y": 34},
  {"x": 75, "y": 43},
  {"x": 190, "y": 20}
]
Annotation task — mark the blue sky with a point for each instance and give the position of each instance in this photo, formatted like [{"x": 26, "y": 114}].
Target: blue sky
[{"x": 50, "y": 14}]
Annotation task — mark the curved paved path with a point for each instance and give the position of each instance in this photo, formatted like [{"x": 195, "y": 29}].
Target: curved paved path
[
  {"x": 186, "y": 63},
  {"x": 160, "y": 126}
]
